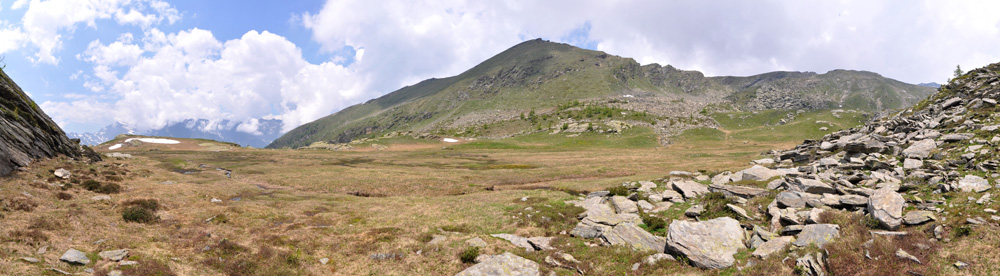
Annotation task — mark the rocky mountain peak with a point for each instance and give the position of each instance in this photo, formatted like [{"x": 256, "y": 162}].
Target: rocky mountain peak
[{"x": 26, "y": 133}]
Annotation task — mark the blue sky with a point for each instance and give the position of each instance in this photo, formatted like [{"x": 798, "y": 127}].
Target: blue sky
[{"x": 148, "y": 63}]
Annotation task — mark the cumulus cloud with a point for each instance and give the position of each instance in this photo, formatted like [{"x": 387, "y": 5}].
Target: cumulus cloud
[
  {"x": 913, "y": 41},
  {"x": 378, "y": 47},
  {"x": 192, "y": 75},
  {"x": 46, "y": 22}
]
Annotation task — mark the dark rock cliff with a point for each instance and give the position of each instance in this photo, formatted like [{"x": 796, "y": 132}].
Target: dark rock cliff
[{"x": 26, "y": 133}]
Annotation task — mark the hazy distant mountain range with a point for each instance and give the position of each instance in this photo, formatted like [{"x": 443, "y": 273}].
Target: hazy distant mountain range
[
  {"x": 931, "y": 84},
  {"x": 224, "y": 131}
]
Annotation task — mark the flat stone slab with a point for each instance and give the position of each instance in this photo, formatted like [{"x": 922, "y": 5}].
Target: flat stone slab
[
  {"x": 518, "y": 241},
  {"x": 114, "y": 255},
  {"x": 75, "y": 257},
  {"x": 623, "y": 205},
  {"x": 973, "y": 183},
  {"x": 740, "y": 191},
  {"x": 634, "y": 237},
  {"x": 772, "y": 246},
  {"x": 918, "y": 217},
  {"x": 689, "y": 189},
  {"x": 503, "y": 264}
]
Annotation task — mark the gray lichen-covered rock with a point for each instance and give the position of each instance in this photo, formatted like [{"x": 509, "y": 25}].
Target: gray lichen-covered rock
[
  {"x": 623, "y": 205},
  {"x": 75, "y": 257},
  {"x": 503, "y": 265},
  {"x": 759, "y": 173},
  {"x": 114, "y": 255},
  {"x": 886, "y": 206},
  {"x": 27, "y": 134},
  {"x": 634, "y": 237},
  {"x": 688, "y": 188},
  {"x": 518, "y": 241},
  {"x": 772, "y": 246},
  {"x": 707, "y": 244},
  {"x": 918, "y": 217},
  {"x": 920, "y": 149},
  {"x": 812, "y": 186},
  {"x": 973, "y": 183},
  {"x": 818, "y": 234}
]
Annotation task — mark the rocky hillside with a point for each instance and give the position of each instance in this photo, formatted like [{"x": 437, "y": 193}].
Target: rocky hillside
[
  {"x": 26, "y": 133},
  {"x": 544, "y": 78},
  {"x": 908, "y": 194}
]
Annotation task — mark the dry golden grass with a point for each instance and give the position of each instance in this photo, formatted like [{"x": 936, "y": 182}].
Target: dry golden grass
[{"x": 284, "y": 210}]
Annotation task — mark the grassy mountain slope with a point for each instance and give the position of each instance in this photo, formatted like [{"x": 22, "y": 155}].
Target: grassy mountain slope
[{"x": 539, "y": 76}]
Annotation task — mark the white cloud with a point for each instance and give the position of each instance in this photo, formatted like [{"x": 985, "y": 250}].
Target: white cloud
[
  {"x": 11, "y": 38},
  {"x": 192, "y": 75},
  {"x": 45, "y": 22},
  {"x": 77, "y": 112},
  {"x": 18, "y": 4},
  {"x": 913, "y": 41}
]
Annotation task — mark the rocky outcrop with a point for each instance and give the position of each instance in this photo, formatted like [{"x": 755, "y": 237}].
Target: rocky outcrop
[
  {"x": 27, "y": 134},
  {"x": 707, "y": 244}
]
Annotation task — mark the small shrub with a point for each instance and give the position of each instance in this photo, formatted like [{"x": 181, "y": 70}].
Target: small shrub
[
  {"x": 109, "y": 188},
  {"x": 619, "y": 190},
  {"x": 64, "y": 196},
  {"x": 469, "y": 255},
  {"x": 870, "y": 222},
  {"x": 145, "y": 203},
  {"x": 32, "y": 237},
  {"x": 139, "y": 215},
  {"x": 91, "y": 184},
  {"x": 963, "y": 231},
  {"x": 44, "y": 223},
  {"x": 653, "y": 224},
  {"x": 21, "y": 204}
]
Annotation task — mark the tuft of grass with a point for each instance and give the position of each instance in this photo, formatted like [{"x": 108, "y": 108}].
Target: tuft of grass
[
  {"x": 20, "y": 204},
  {"x": 64, "y": 196},
  {"x": 32, "y": 237},
  {"x": 469, "y": 255}
]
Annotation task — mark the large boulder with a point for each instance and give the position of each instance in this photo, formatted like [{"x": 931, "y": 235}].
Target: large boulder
[
  {"x": 759, "y": 173},
  {"x": 501, "y": 265},
  {"x": 707, "y": 244},
  {"x": 630, "y": 235},
  {"x": 27, "y": 134},
  {"x": 886, "y": 206},
  {"x": 688, "y": 188},
  {"x": 920, "y": 149},
  {"x": 973, "y": 183}
]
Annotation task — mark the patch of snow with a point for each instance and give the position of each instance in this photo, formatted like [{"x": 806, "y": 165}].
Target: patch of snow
[
  {"x": 629, "y": 96},
  {"x": 450, "y": 140},
  {"x": 115, "y": 146},
  {"x": 154, "y": 140}
]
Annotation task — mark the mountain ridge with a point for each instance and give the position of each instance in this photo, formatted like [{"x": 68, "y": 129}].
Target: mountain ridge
[{"x": 538, "y": 75}]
